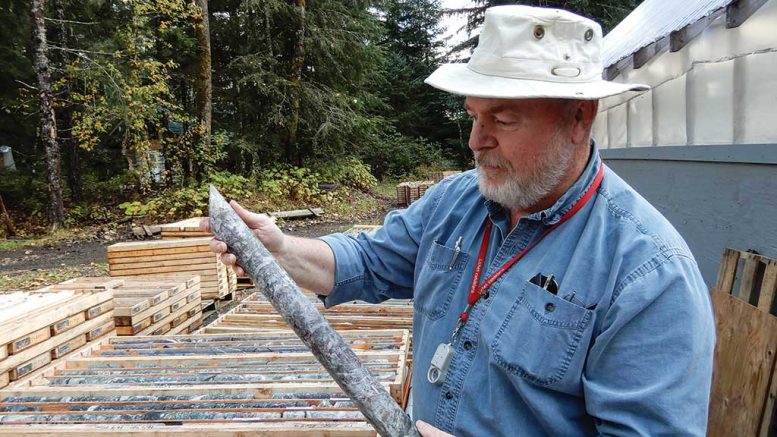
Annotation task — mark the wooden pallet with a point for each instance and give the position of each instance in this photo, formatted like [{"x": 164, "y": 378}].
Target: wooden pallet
[
  {"x": 190, "y": 256},
  {"x": 239, "y": 384},
  {"x": 255, "y": 313},
  {"x": 44, "y": 325},
  {"x": 409, "y": 192},
  {"x": 744, "y": 383}
]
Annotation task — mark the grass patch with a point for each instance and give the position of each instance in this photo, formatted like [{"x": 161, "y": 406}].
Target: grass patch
[
  {"x": 387, "y": 188},
  {"x": 14, "y": 244},
  {"x": 32, "y": 279}
]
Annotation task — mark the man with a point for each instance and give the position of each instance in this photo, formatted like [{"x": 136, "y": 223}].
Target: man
[{"x": 550, "y": 298}]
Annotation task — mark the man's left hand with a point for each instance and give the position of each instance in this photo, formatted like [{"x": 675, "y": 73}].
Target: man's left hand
[{"x": 427, "y": 430}]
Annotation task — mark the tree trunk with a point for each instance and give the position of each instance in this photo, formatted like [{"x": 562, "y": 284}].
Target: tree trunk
[
  {"x": 48, "y": 125},
  {"x": 7, "y": 219},
  {"x": 65, "y": 116},
  {"x": 297, "y": 62},
  {"x": 204, "y": 86}
]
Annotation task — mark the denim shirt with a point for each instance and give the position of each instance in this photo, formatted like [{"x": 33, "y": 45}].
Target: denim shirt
[{"x": 623, "y": 348}]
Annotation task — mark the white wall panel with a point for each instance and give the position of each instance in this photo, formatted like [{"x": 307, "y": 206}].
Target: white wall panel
[
  {"x": 710, "y": 103},
  {"x": 758, "y": 99},
  {"x": 640, "y": 120},
  {"x": 617, "y": 119},
  {"x": 669, "y": 113},
  {"x": 699, "y": 96},
  {"x": 599, "y": 130}
]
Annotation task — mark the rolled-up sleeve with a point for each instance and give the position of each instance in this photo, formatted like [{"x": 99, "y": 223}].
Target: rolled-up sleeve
[{"x": 649, "y": 371}]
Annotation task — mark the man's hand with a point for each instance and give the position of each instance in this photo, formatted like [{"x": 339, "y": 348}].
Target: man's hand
[
  {"x": 427, "y": 430},
  {"x": 262, "y": 226}
]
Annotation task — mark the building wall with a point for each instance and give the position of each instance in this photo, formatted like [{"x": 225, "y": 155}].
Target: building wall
[
  {"x": 721, "y": 88},
  {"x": 715, "y": 199},
  {"x": 701, "y": 146}
]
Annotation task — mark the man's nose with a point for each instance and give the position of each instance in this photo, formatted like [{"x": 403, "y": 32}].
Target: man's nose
[{"x": 480, "y": 137}]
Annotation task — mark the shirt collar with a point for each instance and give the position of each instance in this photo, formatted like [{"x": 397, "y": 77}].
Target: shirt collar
[{"x": 553, "y": 214}]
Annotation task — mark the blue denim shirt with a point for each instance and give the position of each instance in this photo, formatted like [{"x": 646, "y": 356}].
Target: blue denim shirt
[{"x": 630, "y": 354}]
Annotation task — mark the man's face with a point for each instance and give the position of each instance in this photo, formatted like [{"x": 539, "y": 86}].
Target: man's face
[{"x": 522, "y": 148}]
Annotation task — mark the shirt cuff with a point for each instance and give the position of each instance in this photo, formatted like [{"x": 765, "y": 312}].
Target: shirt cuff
[{"x": 349, "y": 272}]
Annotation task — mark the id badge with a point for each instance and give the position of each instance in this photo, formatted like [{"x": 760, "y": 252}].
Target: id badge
[{"x": 440, "y": 361}]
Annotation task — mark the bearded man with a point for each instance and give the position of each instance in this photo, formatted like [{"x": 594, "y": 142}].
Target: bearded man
[{"x": 550, "y": 298}]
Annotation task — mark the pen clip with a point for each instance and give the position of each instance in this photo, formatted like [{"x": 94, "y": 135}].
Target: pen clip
[{"x": 456, "y": 251}]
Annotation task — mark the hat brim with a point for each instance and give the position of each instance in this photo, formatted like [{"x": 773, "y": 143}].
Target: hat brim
[{"x": 459, "y": 79}]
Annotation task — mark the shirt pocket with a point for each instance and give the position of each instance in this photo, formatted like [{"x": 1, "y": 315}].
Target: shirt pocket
[
  {"x": 541, "y": 335},
  {"x": 438, "y": 279}
]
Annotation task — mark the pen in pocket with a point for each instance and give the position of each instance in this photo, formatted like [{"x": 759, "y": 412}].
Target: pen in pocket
[{"x": 456, "y": 251}]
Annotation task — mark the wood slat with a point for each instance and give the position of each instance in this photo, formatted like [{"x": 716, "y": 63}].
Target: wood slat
[{"x": 744, "y": 363}]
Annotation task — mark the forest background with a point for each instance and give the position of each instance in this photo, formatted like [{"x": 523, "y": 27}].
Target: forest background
[{"x": 120, "y": 109}]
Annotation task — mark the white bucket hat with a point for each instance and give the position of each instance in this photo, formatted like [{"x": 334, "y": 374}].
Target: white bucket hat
[{"x": 527, "y": 52}]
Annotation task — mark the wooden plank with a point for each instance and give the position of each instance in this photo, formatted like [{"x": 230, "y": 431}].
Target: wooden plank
[
  {"x": 155, "y": 252},
  {"x": 645, "y": 54},
  {"x": 744, "y": 361},
  {"x": 680, "y": 38},
  {"x": 100, "y": 331},
  {"x": 152, "y": 262},
  {"x": 727, "y": 272},
  {"x": 738, "y": 11},
  {"x": 129, "y": 306},
  {"x": 768, "y": 286},
  {"x": 747, "y": 281},
  {"x": 45, "y": 347},
  {"x": 5, "y": 379},
  {"x": 297, "y": 213},
  {"x": 12, "y": 329},
  {"x": 169, "y": 317},
  {"x": 195, "y": 269},
  {"x": 29, "y": 340},
  {"x": 68, "y": 346},
  {"x": 225, "y": 429},
  {"x": 68, "y": 323},
  {"x": 158, "y": 244},
  {"x": 28, "y": 367},
  {"x": 97, "y": 310},
  {"x": 768, "y": 418}
]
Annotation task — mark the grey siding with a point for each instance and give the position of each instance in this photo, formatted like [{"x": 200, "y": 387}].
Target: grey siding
[{"x": 716, "y": 196}]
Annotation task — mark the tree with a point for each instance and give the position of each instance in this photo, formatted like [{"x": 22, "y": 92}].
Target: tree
[
  {"x": 64, "y": 109},
  {"x": 204, "y": 80},
  {"x": 48, "y": 124}
]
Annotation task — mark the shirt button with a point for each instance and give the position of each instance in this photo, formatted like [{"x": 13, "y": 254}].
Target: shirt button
[
  {"x": 468, "y": 345},
  {"x": 448, "y": 395},
  {"x": 549, "y": 307}
]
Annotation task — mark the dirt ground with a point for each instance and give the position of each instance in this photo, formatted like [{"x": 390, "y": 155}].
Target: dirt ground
[{"x": 85, "y": 255}]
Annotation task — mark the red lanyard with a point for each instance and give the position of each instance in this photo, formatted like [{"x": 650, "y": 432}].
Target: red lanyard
[{"x": 475, "y": 291}]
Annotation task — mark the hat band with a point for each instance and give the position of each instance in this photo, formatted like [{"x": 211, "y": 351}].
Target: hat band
[{"x": 532, "y": 69}]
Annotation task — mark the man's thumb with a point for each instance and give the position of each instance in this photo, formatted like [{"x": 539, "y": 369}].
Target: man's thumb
[{"x": 248, "y": 217}]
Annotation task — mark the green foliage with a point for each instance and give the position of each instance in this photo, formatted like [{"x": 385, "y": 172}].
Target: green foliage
[
  {"x": 191, "y": 201},
  {"x": 89, "y": 215},
  {"x": 351, "y": 172},
  {"x": 297, "y": 185},
  {"x": 395, "y": 155}
]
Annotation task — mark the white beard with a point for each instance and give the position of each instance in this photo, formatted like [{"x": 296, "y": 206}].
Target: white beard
[{"x": 522, "y": 190}]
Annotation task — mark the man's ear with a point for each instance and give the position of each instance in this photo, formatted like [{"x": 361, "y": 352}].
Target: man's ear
[{"x": 582, "y": 120}]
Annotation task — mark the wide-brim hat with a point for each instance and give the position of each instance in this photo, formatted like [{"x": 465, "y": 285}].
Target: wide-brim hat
[{"x": 528, "y": 52}]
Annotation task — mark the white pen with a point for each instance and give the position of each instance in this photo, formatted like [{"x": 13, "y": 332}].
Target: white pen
[{"x": 456, "y": 252}]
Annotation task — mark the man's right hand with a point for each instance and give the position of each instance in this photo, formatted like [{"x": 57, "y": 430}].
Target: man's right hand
[{"x": 263, "y": 228}]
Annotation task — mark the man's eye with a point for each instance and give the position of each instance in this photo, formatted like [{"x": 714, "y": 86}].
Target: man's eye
[{"x": 505, "y": 122}]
